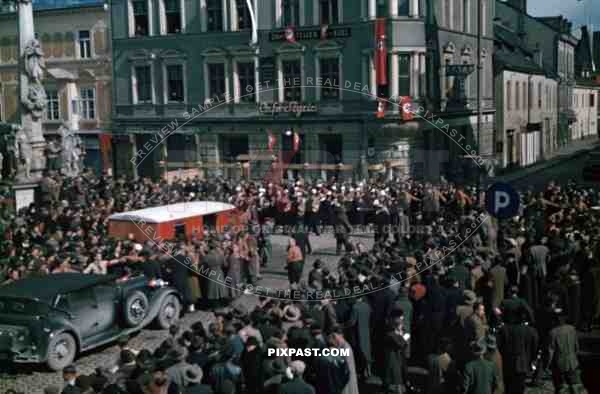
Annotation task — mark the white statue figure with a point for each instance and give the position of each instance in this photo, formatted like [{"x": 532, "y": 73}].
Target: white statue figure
[
  {"x": 24, "y": 154},
  {"x": 34, "y": 60},
  {"x": 71, "y": 151}
]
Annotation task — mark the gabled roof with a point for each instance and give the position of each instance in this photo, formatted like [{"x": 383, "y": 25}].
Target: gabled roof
[{"x": 512, "y": 54}]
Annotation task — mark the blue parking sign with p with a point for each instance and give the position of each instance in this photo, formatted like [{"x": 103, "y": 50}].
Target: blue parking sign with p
[{"x": 502, "y": 201}]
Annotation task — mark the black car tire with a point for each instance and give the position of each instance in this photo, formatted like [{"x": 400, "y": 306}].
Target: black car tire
[
  {"x": 169, "y": 311},
  {"x": 62, "y": 350},
  {"x": 135, "y": 308}
]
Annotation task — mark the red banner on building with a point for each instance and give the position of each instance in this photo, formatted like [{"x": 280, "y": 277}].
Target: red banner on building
[
  {"x": 296, "y": 142},
  {"x": 290, "y": 35},
  {"x": 380, "y": 109},
  {"x": 271, "y": 141},
  {"x": 406, "y": 106},
  {"x": 105, "y": 141},
  {"x": 380, "y": 52},
  {"x": 324, "y": 29}
]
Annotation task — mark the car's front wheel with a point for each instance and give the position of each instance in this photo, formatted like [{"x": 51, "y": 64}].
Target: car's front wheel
[
  {"x": 135, "y": 308},
  {"x": 169, "y": 311},
  {"x": 62, "y": 349}
]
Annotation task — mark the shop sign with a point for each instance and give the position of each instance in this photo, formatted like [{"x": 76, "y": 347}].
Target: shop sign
[
  {"x": 312, "y": 34},
  {"x": 291, "y": 107}
]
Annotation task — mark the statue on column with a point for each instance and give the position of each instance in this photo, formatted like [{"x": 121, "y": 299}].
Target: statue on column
[
  {"x": 71, "y": 151},
  {"x": 35, "y": 99},
  {"x": 24, "y": 154}
]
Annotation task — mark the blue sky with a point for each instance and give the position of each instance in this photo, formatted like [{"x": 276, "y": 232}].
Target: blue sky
[{"x": 574, "y": 10}]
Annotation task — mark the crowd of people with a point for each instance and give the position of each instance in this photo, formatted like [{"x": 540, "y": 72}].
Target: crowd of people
[{"x": 448, "y": 299}]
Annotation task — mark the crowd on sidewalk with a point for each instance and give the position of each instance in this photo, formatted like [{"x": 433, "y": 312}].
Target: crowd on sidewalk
[{"x": 448, "y": 299}]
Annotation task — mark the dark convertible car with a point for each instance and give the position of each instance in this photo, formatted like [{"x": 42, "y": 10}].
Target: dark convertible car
[{"x": 52, "y": 318}]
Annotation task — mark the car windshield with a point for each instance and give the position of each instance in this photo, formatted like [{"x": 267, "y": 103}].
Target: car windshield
[{"x": 22, "y": 306}]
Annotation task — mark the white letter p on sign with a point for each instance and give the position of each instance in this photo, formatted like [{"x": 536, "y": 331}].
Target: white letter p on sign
[{"x": 501, "y": 200}]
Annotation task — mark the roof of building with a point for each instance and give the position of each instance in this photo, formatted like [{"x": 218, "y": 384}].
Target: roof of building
[
  {"x": 559, "y": 24},
  {"x": 512, "y": 54},
  {"x": 46, "y": 287},
  {"x": 583, "y": 52},
  {"x": 167, "y": 213}
]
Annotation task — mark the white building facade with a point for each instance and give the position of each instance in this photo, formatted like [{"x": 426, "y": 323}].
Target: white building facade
[{"x": 585, "y": 105}]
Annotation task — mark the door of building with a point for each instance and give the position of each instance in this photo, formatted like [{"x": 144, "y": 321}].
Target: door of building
[
  {"x": 331, "y": 152},
  {"x": 510, "y": 148}
]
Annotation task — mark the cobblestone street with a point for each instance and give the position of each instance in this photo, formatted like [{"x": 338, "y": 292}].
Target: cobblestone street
[{"x": 32, "y": 379}]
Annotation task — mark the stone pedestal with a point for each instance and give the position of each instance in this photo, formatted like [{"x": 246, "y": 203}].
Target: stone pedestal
[{"x": 24, "y": 194}]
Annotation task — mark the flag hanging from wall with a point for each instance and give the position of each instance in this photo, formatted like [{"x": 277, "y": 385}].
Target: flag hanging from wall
[
  {"x": 105, "y": 140},
  {"x": 296, "y": 142},
  {"x": 324, "y": 29},
  {"x": 290, "y": 34},
  {"x": 380, "y": 52},
  {"x": 380, "y": 109},
  {"x": 406, "y": 106},
  {"x": 271, "y": 141}
]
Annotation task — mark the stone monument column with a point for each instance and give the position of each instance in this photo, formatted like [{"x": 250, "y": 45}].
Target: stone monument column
[{"x": 32, "y": 94}]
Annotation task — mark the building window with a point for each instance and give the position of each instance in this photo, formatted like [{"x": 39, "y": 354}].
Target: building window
[
  {"x": 88, "y": 103},
  {"x": 382, "y": 9},
  {"x": 508, "y": 95},
  {"x": 292, "y": 73},
  {"x": 517, "y": 95},
  {"x": 404, "y": 75},
  {"x": 403, "y": 7},
  {"x": 540, "y": 95},
  {"x": 532, "y": 93},
  {"x": 216, "y": 75},
  {"x": 592, "y": 99},
  {"x": 328, "y": 12},
  {"x": 85, "y": 44},
  {"x": 52, "y": 105},
  {"x": 173, "y": 16},
  {"x": 449, "y": 88},
  {"x": 447, "y": 6},
  {"x": 243, "y": 15},
  {"x": 291, "y": 12},
  {"x": 140, "y": 17},
  {"x": 174, "y": 80},
  {"x": 466, "y": 16},
  {"x": 214, "y": 11},
  {"x": 143, "y": 84},
  {"x": 524, "y": 95},
  {"x": 483, "y": 17},
  {"x": 246, "y": 81},
  {"x": 330, "y": 73}
]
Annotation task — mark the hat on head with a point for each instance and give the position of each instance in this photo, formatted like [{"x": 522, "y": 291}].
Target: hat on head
[
  {"x": 277, "y": 366},
  {"x": 469, "y": 297},
  {"x": 298, "y": 367},
  {"x": 70, "y": 369},
  {"x": 490, "y": 342},
  {"x": 478, "y": 347},
  {"x": 192, "y": 374},
  {"x": 291, "y": 313}
]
